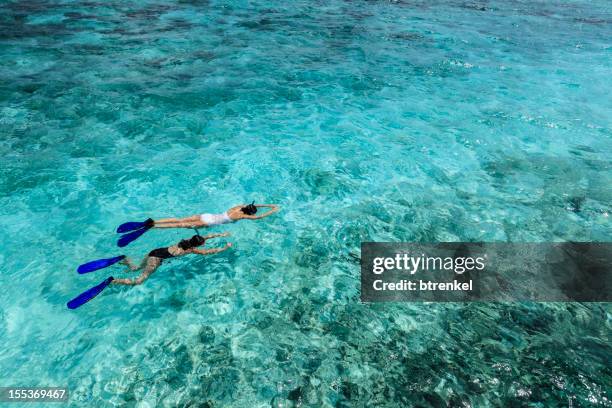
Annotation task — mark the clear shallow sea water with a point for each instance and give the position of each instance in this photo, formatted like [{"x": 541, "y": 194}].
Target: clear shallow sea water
[{"x": 365, "y": 120}]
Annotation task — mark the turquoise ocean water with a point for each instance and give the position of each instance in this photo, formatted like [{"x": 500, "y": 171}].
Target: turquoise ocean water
[{"x": 366, "y": 121}]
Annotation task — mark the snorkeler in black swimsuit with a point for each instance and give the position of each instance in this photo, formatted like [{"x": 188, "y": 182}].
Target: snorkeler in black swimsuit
[
  {"x": 150, "y": 263},
  {"x": 155, "y": 258},
  {"x": 161, "y": 253}
]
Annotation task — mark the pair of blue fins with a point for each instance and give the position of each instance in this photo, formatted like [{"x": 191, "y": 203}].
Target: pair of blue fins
[{"x": 131, "y": 231}]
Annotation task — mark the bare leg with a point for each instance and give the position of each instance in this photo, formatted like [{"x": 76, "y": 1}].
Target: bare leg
[
  {"x": 177, "y": 220},
  {"x": 128, "y": 262},
  {"x": 152, "y": 263},
  {"x": 186, "y": 224}
]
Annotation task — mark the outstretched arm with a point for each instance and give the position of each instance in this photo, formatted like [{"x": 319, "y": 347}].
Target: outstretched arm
[
  {"x": 273, "y": 208},
  {"x": 222, "y": 234},
  {"x": 212, "y": 250}
]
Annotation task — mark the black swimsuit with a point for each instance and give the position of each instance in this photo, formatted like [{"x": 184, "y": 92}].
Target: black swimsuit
[{"x": 161, "y": 253}]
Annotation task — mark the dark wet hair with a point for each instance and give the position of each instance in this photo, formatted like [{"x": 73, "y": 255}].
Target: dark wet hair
[
  {"x": 192, "y": 242},
  {"x": 249, "y": 209}
]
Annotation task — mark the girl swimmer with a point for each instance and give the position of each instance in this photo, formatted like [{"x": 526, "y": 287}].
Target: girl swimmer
[
  {"x": 149, "y": 264},
  {"x": 239, "y": 212},
  {"x": 155, "y": 258},
  {"x": 133, "y": 230}
]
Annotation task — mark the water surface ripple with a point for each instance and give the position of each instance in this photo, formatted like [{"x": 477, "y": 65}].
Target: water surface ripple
[{"x": 402, "y": 120}]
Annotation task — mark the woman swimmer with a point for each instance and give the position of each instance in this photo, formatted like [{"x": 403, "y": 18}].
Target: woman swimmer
[
  {"x": 239, "y": 212},
  {"x": 155, "y": 258},
  {"x": 133, "y": 230}
]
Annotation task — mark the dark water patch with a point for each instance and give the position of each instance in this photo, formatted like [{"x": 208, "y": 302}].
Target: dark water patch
[
  {"x": 341, "y": 36},
  {"x": 593, "y": 21},
  {"x": 206, "y": 335},
  {"x": 501, "y": 169},
  {"x": 545, "y": 167},
  {"x": 198, "y": 3},
  {"x": 326, "y": 183},
  {"x": 520, "y": 357},
  {"x": 312, "y": 250},
  {"x": 420, "y": 5},
  {"x": 23, "y": 31},
  {"x": 296, "y": 394},
  {"x": 30, "y": 88},
  {"x": 164, "y": 29},
  {"x": 575, "y": 204},
  {"x": 266, "y": 11},
  {"x": 475, "y": 6},
  {"x": 356, "y": 13},
  {"x": 29, "y": 7},
  {"x": 148, "y": 13},
  {"x": 300, "y": 311},
  {"x": 85, "y": 49},
  {"x": 220, "y": 385},
  {"x": 264, "y": 24},
  {"x": 263, "y": 321},
  {"x": 73, "y": 15},
  {"x": 162, "y": 62},
  {"x": 407, "y": 36},
  {"x": 122, "y": 31},
  {"x": 204, "y": 55},
  {"x": 581, "y": 149},
  {"x": 95, "y": 4},
  {"x": 175, "y": 302},
  {"x": 182, "y": 79},
  {"x": 181, "y": 23}
]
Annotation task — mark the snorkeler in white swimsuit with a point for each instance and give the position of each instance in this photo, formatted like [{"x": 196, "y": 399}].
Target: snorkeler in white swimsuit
[
  {"x": 215, "y": 219},
  {"x": 133, "y": 230},
  {"x": 239, "y": 212}
]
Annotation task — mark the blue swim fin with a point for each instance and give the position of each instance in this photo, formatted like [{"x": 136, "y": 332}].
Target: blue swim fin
[
  {"x": 132, "y": 236},
  {"x": 89, "y": 294},
  {"x": 131, "y": 226},
  {"x": 98, "y": 264}
]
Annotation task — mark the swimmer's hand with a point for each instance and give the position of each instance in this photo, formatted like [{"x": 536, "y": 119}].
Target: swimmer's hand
[{"x": 273, "y": 207}]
